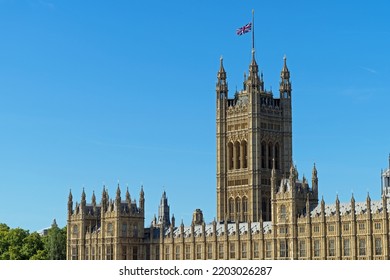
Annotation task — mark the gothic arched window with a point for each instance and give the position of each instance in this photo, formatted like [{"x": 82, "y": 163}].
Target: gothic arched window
[
  {"x": 263, "y": 155},
  {"x": 270, "y": 154},
  {"x": 244, "y": 147},
  {"x": 75, "y": 230},
  {"x": 110, "y": 229},
  {"x": 230, "y": 156},
  {"x": 231, "y": 208},
  {"x": 245, "y": 208},
  {"x": 283, "y": 212},
  {"x": 238, "y": 208},
  {"x": 277, "y": 155},
  {"x": 237, "y": 155}
]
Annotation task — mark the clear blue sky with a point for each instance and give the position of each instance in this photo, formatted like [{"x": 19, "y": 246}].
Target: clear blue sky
[{"x": 94, "y": 92}]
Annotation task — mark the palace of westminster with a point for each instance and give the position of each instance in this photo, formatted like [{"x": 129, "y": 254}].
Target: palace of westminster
[{"x": 264, "y": 210}]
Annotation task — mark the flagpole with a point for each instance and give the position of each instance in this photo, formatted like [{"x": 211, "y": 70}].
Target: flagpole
[{"x": 253, "y": 29}]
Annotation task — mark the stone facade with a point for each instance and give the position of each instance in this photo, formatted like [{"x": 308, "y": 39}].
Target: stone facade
[
  {"x": 253, "y": 128},
  {"x": 264, "y": 210}
]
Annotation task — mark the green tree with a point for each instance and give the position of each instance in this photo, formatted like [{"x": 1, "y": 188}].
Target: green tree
[
  {"x": 4, "y": 244},
  {"x": 39, "y": 255},
  {"x": 19, "y": 244},
  {"x": 56, "y": 243},
  {"x": 15, "y": 239},
  {"x": 32, "y": 244}
]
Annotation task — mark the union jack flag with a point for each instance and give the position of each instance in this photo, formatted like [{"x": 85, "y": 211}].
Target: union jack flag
[{"x": 245, "y": 29}]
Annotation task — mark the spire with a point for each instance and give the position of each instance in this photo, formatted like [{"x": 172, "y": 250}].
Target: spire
[
  {"x": 83, "y": 196},
  {"x": 142, "y": 199},
  {"x": 285, "y": 84},
  {"x": 118, "y": 199},
  {"x": 163, "y": 211},
  {"x": 118, "y": 193},
  {"x": 173, "y": 220},
  {"x": 104, "y": 199},
  {"x": 221, "y": 76},
  {"x": 314, "y": 171},
  {"x": 70, "y": 203},
  {"x": 253, "y": 68},
  {"x": 314, "y": 180},
  {"x": 164, "y": 196},
  {"x": 368, "y": 204},
  {"x": 353, "y": 204},
  {"x": 221, "y": 73},
  {"x": 83, "y": 203},
  {"x": 128, "y": 198},
  {"x": 70, "y": 197},
  {"x": 285, "y": 74},
  {"x": 93, "y": 198},
  {"x": 221, "y": 87}
]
